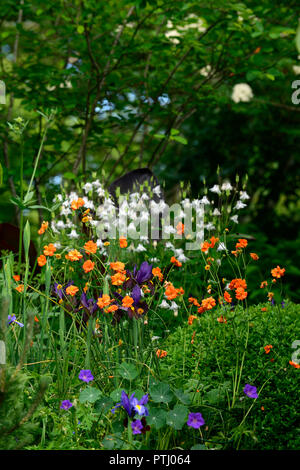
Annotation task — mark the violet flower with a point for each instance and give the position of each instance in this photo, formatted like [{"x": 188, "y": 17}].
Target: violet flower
[
  {"x": 195, "y": 420},
  {"x": 132, "y": 405},
  {"x": 85, "y": 375},
  {"x": 136, "y": 426},
  {"x": 66, "y": 405},
  {"x": 13, "y": 319},
  {"x": 250, "y": 391}
]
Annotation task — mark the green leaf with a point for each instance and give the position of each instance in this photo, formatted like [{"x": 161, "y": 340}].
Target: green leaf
[
  {"x": 297, "y": 38},
  {"x": 161, "y": 393},
  {"x": 181, "y": 140},
  {"x": 128, "y": 371},
  {"x": 183, "y": 397},
  {"x": 89, "y": 394},
  {"x": 177, "y": 417},
  {"x": 1, "y": 175},
  {"x": 103, "y": 405},
  {"x": 116, "y": 395},
  {"x": 26, "y": 238},
  {"x": 113, "y": 441},
  {"x": 80, "y": 29},
  {"x": 199, "y": 447},
  {"x": 157, "y": 418}
]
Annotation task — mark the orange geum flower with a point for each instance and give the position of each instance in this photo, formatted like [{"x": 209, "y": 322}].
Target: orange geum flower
[
  {"x": 17, "y": 277},
  {"x": 117, "y": 266},
  {"x": 77, "y": 203},
  {"x": 208, "y": 303},
  {"x": 88, "y": 266},
  {"x": 270, "y": 296},
  {"x": 118, "y": 279},
  {"x": 254, "y": 256},
  {"x": 74, "y": 255},
  {"x": 157, "y": 273},
  {"x": 240, "y": 293},
  {"x": 176, "y": 262},
  {"x": 242, "y": 243},
  {"x": 180, "y": 291},
  {"x": 227, "y": 297},
  {"x": 20, "y": 288},
  {"x": 263, "y": 284},
  {"x": 294, "y": 364},
  {"x": 235, "y": 253},
  {"x": 49, "y": 250},
  {"x": 42, "y": 260},
  {"x": 72, "y": 290},
  {"x": 194, "y": 301},
  {"x": 43, "y": 228},
  {"x": 207, "y": 267},
  {"x": 222, "y": 319},
  {"x": 112, "y": 308},
  {"x": 264, "y": 309},
  {"x": 161, "y": 353},
  {"x": 268, "y": 348},
  {"x": 85, "y": 289},
  {"x": 205, "y": 246},
  {"x": 170, "y": 292},
  {"x": 90, "y": 247},
  {"x": 123, "y": 242},
  {"x": 278, "y": 272},
  {"x": 201, "y": 310},
  {"x": 127, "y": 301},
  {"x": 235, "y": 283},
  {"x": 191, "y": 319},
  {"x": 103, "y": 301},
  {"x": 213, "y": 241}
]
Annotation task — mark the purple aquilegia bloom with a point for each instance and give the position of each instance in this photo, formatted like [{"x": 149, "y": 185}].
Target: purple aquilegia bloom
[
  {"x": 13, "y": 319},
  {"x": 136, "y": 426},
  {"x": 66, "y": 405},
  {"x": 85, "y": 375},
  {"x": 132, "y": 405},
  {"x": 250, "y": 391},
  {"x": 195, "y": 420}
]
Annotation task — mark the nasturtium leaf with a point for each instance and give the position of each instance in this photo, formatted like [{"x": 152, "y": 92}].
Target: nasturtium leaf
[
  {"x": 183, "y": 397},
  {"x": 116, "y": 395},
  {"x": 89, "y": 394},
  {"x": 199, "y": 447},
  {"x": 161, "y": 393},
  {"x": 128, "y": 371},
  {"x": 177, "y": 417},
  {"x": 112, "y": 441}
]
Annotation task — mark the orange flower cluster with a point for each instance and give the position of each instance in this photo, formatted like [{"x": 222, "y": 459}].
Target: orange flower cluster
[
  {"x": 43, "y": 228},
  {"x": 118, "y": 279},
  {"x": 90, "y": 247},
  {"x": 171, "y": 292},
  {"x": 104, "y": 301},
  {"x": 175, "y": 262},
  {"x": 294, "y": 364},
  {"x": 268, "y": 348},
  {"x": 242, "y": 243},
  {"x": 17, "y": 277},
  {"x": 254, "y": 256},
  {"x": 73, "y": 255},
  {"x": 49, "y": 250},
  {"x": 263, "y": 284},
  {"x": 180, "y": 228},
  {"x": 123, "y": 242},
  {"x": 208, "y": 303},
  {"x": 278, "y": 272},
  {"x": 42, "y": 260},
  {"x": 157, "y": 273},
  {"x": 20, "y": 288},
  {"x": 191, "y": 319},
  {"x": 161, "y": 353},
  {"x": 88, "y": 266},
  {"x": 127, "y": 301},
  {"x": 117, "y": 266},
  {"x": 227, "y": 297},
  {"x": 72, "y": 290},
  {"x": 240, "y": 286},
  {"x": 206, "y": 245},
  {"x": 194, "y": 301},
  {"x": 222, "y": 319},
  {"x": 75, "y": 204}
]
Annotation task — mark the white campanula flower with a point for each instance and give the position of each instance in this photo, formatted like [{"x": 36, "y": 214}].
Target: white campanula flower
[
  {"x": 57, "y": 245},
  {"x": 88, "y": 187},
  {"x": 204, "y": 200},
  {"x": 140, "y": 248},
  {"x": 169, "y": 229},
  {"x": 65, "y": 211},
  {"x": 170, "y": 245},
  {"x": 164, "y": 304},
  {"x": 73, "y": 234},
  {"x": 226, "y": 186},
  {"x": 99, "y": 243},
  {"x": 206, "y": 71},
  {"x": 96, "y": 184},
  {"x": 89, "y": 204},
  {"x": 234, "y": 218},
  {"x": 210, "y": 226},
  {"x": 100, "y": 191},
  {"x": 244, "y": 196},
  {"x": 173, "y": 306},
  {"x": 53, "y": 226},
  {"x": 157, "y": 191},
  {"x": 222, "y": 247},
  {"x": 144, "y": 238},
  {"x": 242, "y": 92},
  {"x": 216, "y": 189},
  {"x": 182, "y": 258},
  {"x": 216, "y": 212},
  {"x": 60, "y": 225},
  {"x": 240, "y": 205},
  {"x": 154, "y": 260}
]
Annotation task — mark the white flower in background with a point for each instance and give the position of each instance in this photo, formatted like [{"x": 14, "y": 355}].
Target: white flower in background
[
  {"x": 226, "y": 186},
  {"x": 140, "y": 248},
  {"x": 73, "y": 234},
  {"x": 154, "y": 338},
  {"x": 88, "y": 187},
  {"x": 216, "y": 212},
  {"x": 96, "y": 184},
  {"x": 234, "y": 218},
  {"x": 57, "y": 245},
  {"x": 244, "y": 196},
  {"x": 154, "y": 260},
  {"x": 240, "y": 205},
  {"x": 182, "y": 258},
  {"x": 222, "y": 247},
  {"x": 210, "y": 226},
  {"x": 216, "y": 189},
  {"x": 53, "y": 226},
  {"x": 242, "y": 92},
  {"x": 89, "y": 204},
  {"x": 219, "y": 262},
  {"x": 60, "y": 225},
  {"x": 205, "y": 71},
  {"x": 172, "y": 34},
  {"x": 164, "y": 304},
  {"x": 65, "y": 211},
  {"x": 99, "y": 243},
  {"x": 198, "y": 23},
  {"x": 100, "y": 192},
  {"x": 57, "y": 198},
  {"x": 204, "y": 200},
  {"x": 296, "y": 69},
  {"x": 167, "y": 229},
  {"x": 170, "y": 246},
  {"x": 174, "y": 306}
]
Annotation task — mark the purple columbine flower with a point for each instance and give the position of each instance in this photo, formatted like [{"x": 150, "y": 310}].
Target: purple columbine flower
[
  {"x": 85, "y": 375},
  {"x": 13, "y": 319},
  {"x": 195, "y": 420},
  {"x": 136, "y": 426},
  {"x": 132, "y": 405},
  {"x": 250, "y": 391},
  {"x": 66, "y": 405}
]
